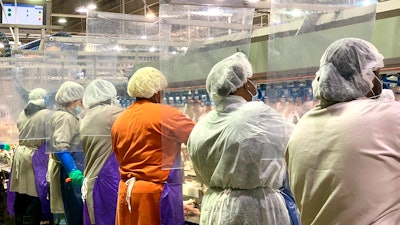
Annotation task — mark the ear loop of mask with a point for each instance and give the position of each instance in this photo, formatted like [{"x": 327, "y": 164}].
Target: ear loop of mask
[
  {"x": 255, "y": 88},
  {"x": 375, "y": 96}
]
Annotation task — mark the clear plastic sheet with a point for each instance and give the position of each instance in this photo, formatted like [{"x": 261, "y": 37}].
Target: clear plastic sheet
[
  {"x": 20, "y": 74},
  {"x": 115, "y": 46},
  {"x": 193, "y": 37},
  {"x": 301, "y": 30}
]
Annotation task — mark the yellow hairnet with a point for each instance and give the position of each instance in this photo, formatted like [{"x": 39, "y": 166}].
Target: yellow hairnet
[{"x": 145, "y": 82}]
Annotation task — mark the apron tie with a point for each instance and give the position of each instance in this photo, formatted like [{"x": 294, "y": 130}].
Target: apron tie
[
  {"x": 84, "y": 188},
  {"x": 130, "y": 182}
]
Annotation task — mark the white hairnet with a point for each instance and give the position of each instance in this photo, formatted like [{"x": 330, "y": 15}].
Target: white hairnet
[
  {"x": 98, "y": 91},
  {"x": 68, "y": 92},
  {"x": 37, "y": 97},
  {"x": 145, "y": 82},
  {"x": 228, "y": 75},
  {"x": 346, "y": 70}
]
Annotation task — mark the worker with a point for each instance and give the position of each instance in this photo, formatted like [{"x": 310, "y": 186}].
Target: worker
[
  {"x": 237, "y": 151},
  {"x": 29, "y": 167},
  {"x": 343, "y": 156},
  {"x": 101, "y": 174},
  {"x": 67, "y": 157},
  {"x": 146, "y": 139}
]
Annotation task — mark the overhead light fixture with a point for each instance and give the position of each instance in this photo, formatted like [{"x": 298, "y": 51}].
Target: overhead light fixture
[
  {"x": 62, "y": 20},
  {"x": 150, "y": 14},
  {"x": 147, "y": 11},
  {"x": 91, "y": 6},
  {"x": 82, "y": 9}
]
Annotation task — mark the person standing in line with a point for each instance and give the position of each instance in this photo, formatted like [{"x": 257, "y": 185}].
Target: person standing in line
[
  {"x": 29, "y": 167},
  {"x": 146, "y": 139},
  {"x": 237, "y": 151},
  {"x": 344, "y": 155},
  {"x": 67, "y": 157},
  {"x": 101, "y": 174}
]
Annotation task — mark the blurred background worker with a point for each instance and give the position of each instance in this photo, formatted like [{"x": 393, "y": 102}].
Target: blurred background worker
[
  {"x": 29, "y": 167},
  {"x": 100, "y": 186},
  {"x": 67, "y": 158},
  {"x": 146, "y": 139},
  {"x": 344, "y": 155},
  {"x": 237, "y": 150}
]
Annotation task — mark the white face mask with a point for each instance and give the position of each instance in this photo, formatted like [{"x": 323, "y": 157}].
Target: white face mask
[
  {"x": 386, "y": 95},
  {"x": 115, "y": 101},
  {"x": 375, "y": 95},
  {"x": 254, "y": 97}
]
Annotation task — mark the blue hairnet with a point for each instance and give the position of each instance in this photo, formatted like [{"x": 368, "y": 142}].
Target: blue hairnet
[
  {"x": 98, "y": 91},
  {"x": 346, "y": 70},
  {"x": 69, "y": 92},
  {"x": 228, "y": 75}
]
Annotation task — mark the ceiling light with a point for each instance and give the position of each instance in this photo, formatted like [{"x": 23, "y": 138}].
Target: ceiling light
[
  {"x": 150, "y": 14},
  {"x": 62, "y": 20},
  {"x": 82, "y": 9},
  {"x": 91, "y": 6}
]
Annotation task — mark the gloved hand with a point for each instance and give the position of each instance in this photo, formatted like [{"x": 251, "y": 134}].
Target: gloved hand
[{"x": 76, "y": 176}]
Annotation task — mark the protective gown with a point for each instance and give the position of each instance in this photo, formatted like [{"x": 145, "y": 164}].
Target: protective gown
[
  {"x": 30, "y": 161},
  {"x": 353, "y": 177},
  {"x": 101, "y": 167},
  {"x": 65, "y": 197},
  {"x": 237, "y": 150},
  {"x": 146, "y": 138}
]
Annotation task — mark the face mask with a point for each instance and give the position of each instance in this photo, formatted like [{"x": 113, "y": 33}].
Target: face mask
[
  {"x": 76, "y": 111},
  {"x": 386, "y": 95},
  {"x": 115, "y": 101},
  {"x": 376, "y": 95},
  {"x": 254, "y": 97}
]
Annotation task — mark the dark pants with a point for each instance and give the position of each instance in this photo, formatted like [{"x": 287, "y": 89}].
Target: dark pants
[
  {"x": 28, "y": 210},
  {"x": 73, "y": 206}
]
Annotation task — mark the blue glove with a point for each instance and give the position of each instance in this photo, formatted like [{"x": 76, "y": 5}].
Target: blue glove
[
  {"x": 68, "y": 162},
  {"x": 66, "y": 159}
]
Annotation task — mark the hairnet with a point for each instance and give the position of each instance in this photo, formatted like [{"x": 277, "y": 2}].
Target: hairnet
[
  {"x": 228, "y": 75},
  {"x": 37, "y": 97},
  {"x": 346, "y": 70},
  {"x": 98, "y": 91},
  {"x": 145, "y": 82},
  {"x": 68, "y": 92}
]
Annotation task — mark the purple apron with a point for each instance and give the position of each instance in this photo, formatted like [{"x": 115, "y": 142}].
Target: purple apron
[
  {"x": 10, "y": 197},
  {"x": 171, "y": 203},
  {"x": 86, "y": 217},
  {"x": 105, "y": 193},
  {"x": 40, "y": 161}
]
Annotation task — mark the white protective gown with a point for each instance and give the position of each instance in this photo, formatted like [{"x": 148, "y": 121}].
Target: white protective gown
[
  {"x": 344, "y": 164},
  {"x": 237, "y": 150},
  {"x": 64, "y": 135},
  {"x": 96, "y": 140},
  {"x": 32, "y": 134}
]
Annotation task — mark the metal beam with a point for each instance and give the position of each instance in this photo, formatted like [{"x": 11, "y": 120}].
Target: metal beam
[
  {"x": 38, "y": 27},
  {"x": 68, "y": 15}
]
